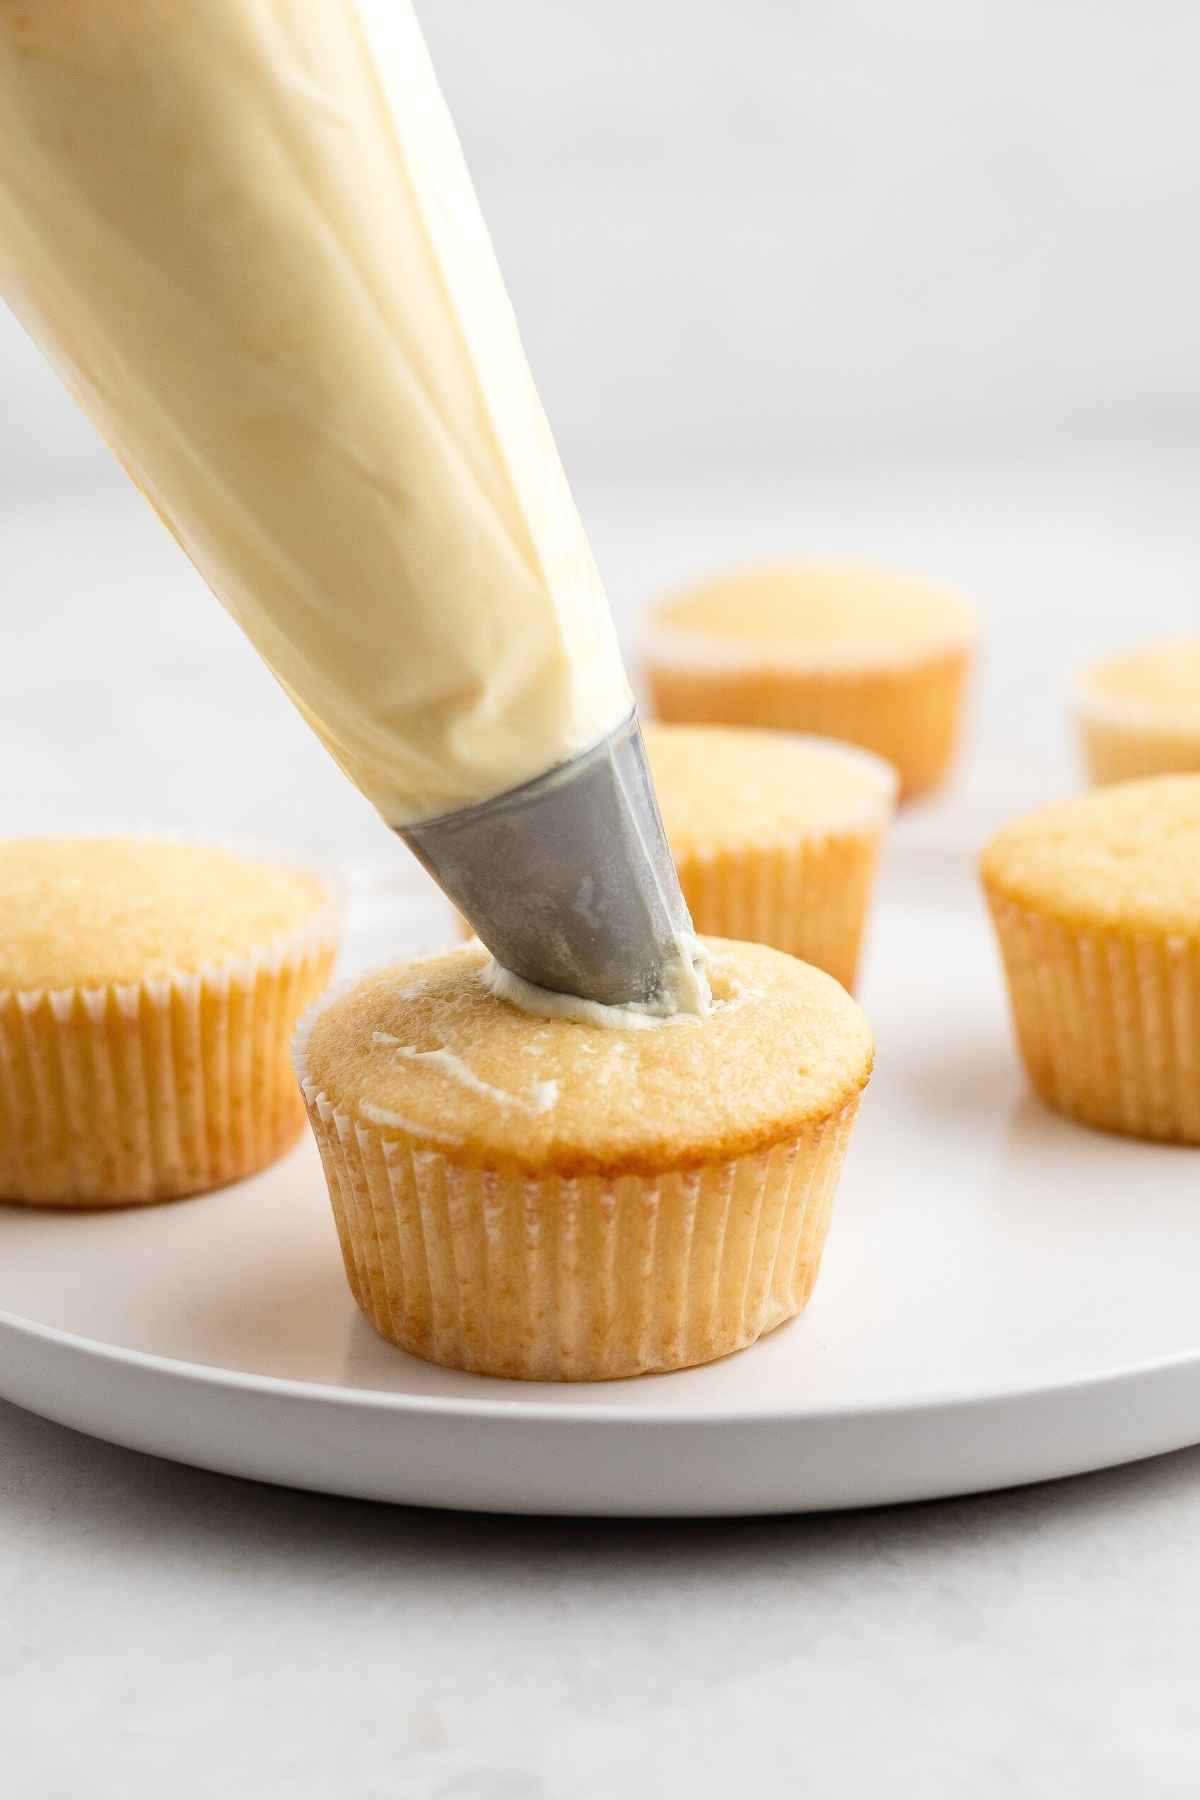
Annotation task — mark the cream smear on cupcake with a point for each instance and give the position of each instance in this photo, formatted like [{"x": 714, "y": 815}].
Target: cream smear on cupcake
[
  {"x": 686, "y": 995},
  {"x": 540, "y": 1098}
]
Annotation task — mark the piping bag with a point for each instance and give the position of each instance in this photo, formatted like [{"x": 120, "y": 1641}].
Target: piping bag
[{"x": 244, "y": 233}]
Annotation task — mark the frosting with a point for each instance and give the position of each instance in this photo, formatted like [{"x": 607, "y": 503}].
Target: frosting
[
  {"x": 783, "y": 1044},
  {"x": 541, "y": 1096},
  {"x": 246, "y": 236},
  {"x": 686, "y": 996}
]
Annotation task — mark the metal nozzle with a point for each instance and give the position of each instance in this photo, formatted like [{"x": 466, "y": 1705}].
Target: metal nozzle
[{"x": 568, "y": 880}]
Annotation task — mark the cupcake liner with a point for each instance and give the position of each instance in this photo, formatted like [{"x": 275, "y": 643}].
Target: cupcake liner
[
  {"x": 1122, "y": 741},
  {"x": 1108, "y": 1023},
  {"x": 146, "y": 1091},
  {"x": 809, "y": 898},
  {"x": 584, "y": 1278},
  {"x": 909, "y": 711}
]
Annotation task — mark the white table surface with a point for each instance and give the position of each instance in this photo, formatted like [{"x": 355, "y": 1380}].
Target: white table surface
[{"x": 167, "y": 1630}]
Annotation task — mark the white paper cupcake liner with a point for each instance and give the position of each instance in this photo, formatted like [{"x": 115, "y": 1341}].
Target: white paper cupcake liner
[
  {"x": 908, "y": 709},
  {"x": 583, "y": 1278},
  {"x": 1124, "y": 740},
  {"x": 1108, "y": 1024},
  {"x": 137, "y": 1092}
]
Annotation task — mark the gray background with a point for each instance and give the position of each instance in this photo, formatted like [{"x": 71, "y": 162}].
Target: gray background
[{"x": 784, "y": 230}]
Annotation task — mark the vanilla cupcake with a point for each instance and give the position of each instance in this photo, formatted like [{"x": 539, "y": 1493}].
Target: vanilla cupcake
[
  {"x": 1096, "y": 901},
  {"x": 776, "y": 836},
  {"x": 544, "y": 1198},
  {"x": 876, "y": 659},
  {"x": 148, "y": 993},
  {"x": 1139, "y": 714}
]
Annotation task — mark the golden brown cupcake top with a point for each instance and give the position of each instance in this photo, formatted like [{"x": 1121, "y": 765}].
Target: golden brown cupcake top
[
  {"x": 1156, "y": 684},
  {"x": 1125, "y": 857},
  {"x": 425, "y": 1049},
  {"x": 719, "y": 787},
  {"x": 823, "y": 611},
  {"x": 94, "y": 912}
]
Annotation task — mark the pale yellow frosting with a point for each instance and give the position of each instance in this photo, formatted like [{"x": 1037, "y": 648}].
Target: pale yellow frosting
[
  {"x": 823, "y": 611},
  {"x": 94, "y": 912},
  {"x": 244, "y": 232}
]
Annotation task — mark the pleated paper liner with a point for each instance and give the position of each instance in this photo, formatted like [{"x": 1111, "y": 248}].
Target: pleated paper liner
[
  {"x": 150, "y": 1090},
  {"x": 585, "y": 1278},
  {"x": 1108, "y": 1023},
  {"x": 907, "y": 710},
  {"x": 1124, "y": 742},
  {"x": 807, "y": 892},
  {"x": 810, "y": 896}
]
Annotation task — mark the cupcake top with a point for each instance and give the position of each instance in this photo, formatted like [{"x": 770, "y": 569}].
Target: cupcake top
[
  {"x": 719, "y": 786},
  {"x": 819, "y": 612},
  {"x": 427, "y": 1049},
  {"x": 1157, "y": 684},
  {"x": 95, "y": 912},
  {"x": 1124, "y": 857}
]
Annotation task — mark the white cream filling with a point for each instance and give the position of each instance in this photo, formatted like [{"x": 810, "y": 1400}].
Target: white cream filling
[
  {"x": 542, "y": 1094},
  {"x": 687, "y": 998}
]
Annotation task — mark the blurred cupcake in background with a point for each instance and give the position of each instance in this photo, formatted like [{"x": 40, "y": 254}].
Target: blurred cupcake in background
[
  {"x": 838, "y": 649},
  {"x": 1139, "y": 713},
  {"x": 776, "y": 836},
  {"x": 1096, "y": 904},
  {"x": 148, "y": 993}
]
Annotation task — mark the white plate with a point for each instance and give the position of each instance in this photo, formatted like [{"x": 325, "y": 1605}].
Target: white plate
[{"x": 1005, "y": 1298}]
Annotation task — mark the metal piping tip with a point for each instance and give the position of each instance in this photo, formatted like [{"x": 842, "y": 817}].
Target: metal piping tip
[{"x": 568, "y": 880}]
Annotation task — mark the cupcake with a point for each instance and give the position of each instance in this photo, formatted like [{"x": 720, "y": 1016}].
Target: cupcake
[
  {"x": 1096, "y": 902},
  {"x": 148, "y": 992},
  {"x": 544, "y": 1198},
  {"x": 776, "y": 837},
  {"x": 875, "y": 659},
  {"x": 1139, "y": 714}
]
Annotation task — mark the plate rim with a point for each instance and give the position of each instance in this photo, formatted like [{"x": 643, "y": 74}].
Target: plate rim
[
  {"x": 606, "y": 1414},
  {"x": 45, "y": 1355}
]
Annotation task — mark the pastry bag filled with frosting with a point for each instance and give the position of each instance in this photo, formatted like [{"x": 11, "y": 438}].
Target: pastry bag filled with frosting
[{"x": 244, "y": 232}]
